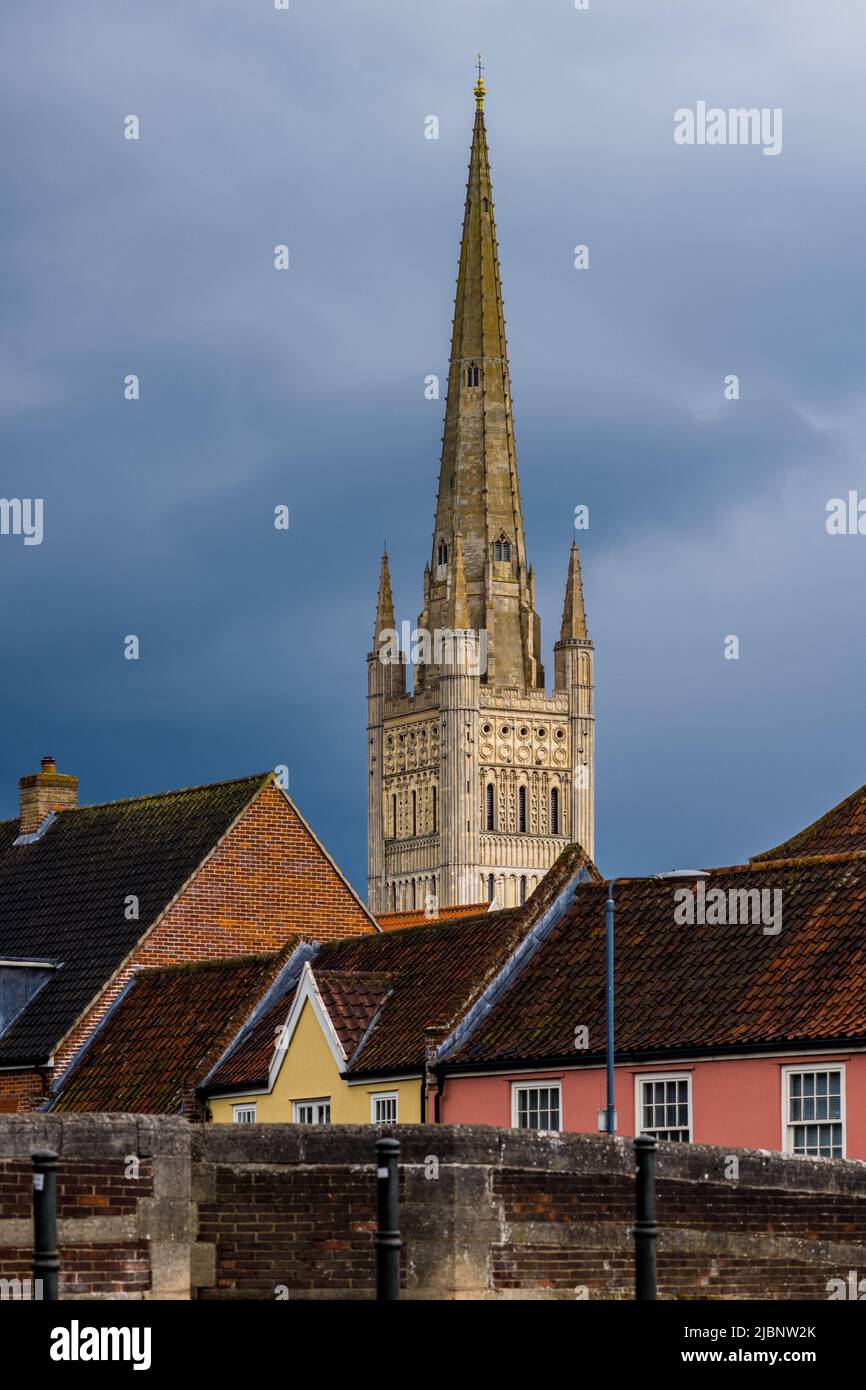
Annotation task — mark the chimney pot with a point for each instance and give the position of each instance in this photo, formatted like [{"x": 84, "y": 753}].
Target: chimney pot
[{"x": 45, "y": 791}]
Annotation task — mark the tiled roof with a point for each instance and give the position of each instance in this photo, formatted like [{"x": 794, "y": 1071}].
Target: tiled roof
[
  {"x": 352, "y": 999},
  {"x": 434, "y": 975},
  {"x": 392, "y": 921},
  {"x": 840, "y": 831},
  {"x": 689, "y": 988},
  {"x": 62, "y": 898},
  {"x": 164, "y": 1033}
]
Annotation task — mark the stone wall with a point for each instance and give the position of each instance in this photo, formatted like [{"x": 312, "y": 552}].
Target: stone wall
[{"x": 152, "y": 1207}]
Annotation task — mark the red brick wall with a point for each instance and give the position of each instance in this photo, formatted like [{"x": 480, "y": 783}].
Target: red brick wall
[
  {"x": 484, "y": 1213},
  {"x": 309, "y": 1232},
  {"x": 268, "y": 881},
  {"x": 87, "y": 1270},
  {"x": 87, "y": 1187},
  {"x": 20, "y": 1091},
  {"x": 501, "y": 1213}
]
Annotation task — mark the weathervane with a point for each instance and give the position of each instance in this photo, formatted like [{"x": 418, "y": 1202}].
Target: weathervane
[{"x": 479, "y": 86}]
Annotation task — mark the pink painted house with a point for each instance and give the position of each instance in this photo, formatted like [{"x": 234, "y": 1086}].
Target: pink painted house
[{"x": 740, "y": 1006}]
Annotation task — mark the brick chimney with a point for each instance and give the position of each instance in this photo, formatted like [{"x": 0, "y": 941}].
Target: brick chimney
[{"x": 44, "y": 791}]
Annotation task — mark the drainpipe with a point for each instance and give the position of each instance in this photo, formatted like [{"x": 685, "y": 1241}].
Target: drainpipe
[
  {"x": 434, "y": 1033},
  {"x": 440, "y": 1087},
  {"x": 610, "y": 1111}
]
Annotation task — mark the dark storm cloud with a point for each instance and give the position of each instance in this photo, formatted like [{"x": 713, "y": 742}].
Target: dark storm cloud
[{"x": 258, "y": 387}]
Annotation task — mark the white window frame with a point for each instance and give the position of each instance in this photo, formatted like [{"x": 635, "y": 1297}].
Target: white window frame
[
  {"x": 518, "y": 1086},
  {"x": 244, "y": 1114},
  {"x": 316, "y": 1101},
  {"x": 385, "y": 1096},
  {"x": 640, "y": 1079},
  {"x": 801, "y": 1069}
]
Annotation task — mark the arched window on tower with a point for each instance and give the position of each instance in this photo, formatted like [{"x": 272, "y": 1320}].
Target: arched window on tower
[
  {"x": 435, "y": 809},
  {"x": 521, "y": 810},
  {"x": 414, "y": 814},
  {"x": 522, "y": 889},
  {"x": 554, "y": 811},
  {"x": 489, "y": 808},
  {"x": 502, "y": 549},
  {"x": 490, "y": 888},
  {"x": 394, "y": 817},
  {"x": 472, "y": 374},
  {"x": 442, "y": 553}
]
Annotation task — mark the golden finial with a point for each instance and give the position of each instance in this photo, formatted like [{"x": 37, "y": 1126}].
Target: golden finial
[{"x": 479, "y": 86}]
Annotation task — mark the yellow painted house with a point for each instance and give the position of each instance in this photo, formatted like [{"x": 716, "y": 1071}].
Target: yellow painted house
[
  {"x": 306, "y": 1081},
  {"x": 347, "y": 1033}
]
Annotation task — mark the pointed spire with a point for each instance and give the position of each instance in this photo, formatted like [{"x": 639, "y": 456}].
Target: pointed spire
[
  {"x": 479, "y": 493},
  {"x": 573, "y": 612},
  {"x": 385, "y": 603},
  {"x": 457, "y": 611}
]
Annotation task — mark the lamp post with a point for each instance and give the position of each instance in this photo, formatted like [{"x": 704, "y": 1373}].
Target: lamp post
[{"x": 610, "y": 1108}]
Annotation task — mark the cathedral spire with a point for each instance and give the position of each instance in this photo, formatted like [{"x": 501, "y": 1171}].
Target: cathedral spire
[
  {"x": 573, "y": 611},
  {"x": 385, "y": 604},
  {"x": 479, "y": 493}
]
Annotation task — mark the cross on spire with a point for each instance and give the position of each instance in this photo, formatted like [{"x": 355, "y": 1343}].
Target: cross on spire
[{"x": 479, "y": 85}]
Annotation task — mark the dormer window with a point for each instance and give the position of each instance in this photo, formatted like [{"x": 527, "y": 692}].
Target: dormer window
[
  {"x": 502, "y": 549},
  {"x": 472, "y": 374},
  {"x": 19, "y": 982}
]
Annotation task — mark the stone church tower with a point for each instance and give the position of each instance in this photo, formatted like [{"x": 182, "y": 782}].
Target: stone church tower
[{"x": 478, "y": 778}]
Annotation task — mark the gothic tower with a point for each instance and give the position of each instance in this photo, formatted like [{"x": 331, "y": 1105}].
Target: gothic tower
[{"x": 478, "y": 778}]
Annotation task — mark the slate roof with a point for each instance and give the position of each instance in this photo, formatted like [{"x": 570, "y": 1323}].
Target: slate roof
[
  {"x": 691, "y": 989},
  {"x": 391, "y": 921},
  {"x": 432, "y": 975},
  {"x": 164, "y": 1033},
  {"x": 840, "y": 831},
  {"x": 62, "y": 898}
]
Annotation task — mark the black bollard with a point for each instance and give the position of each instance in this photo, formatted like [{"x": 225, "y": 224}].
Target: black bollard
[
  {"x": 388, "y": 1233},
  {"x": 46, "y": 1261},
  {"x": 645, "y": 1226}
]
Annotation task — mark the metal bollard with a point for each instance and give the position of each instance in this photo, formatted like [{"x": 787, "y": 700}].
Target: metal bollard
[
  {"x": 645, "y": 1226},
  {"x": 46, "y": 1260},
  {"x": 388, "y": 1233}
]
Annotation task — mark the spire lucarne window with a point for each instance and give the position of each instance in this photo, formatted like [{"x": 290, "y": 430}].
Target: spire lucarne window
[{"x": 507, "y": 757}]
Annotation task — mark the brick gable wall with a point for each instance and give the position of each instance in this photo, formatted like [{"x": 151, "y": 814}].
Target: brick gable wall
[{"x": 269, "y": 880}]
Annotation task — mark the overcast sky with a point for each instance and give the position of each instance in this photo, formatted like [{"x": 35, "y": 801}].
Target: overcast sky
[{"x": 306, "y": 387}]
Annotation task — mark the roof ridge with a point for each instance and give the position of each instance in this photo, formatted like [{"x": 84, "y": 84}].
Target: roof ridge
[
  {"x": 480, "y": 920},
  {"x": 778, "y": 850},
  {"x": 217, "y": 963},
  {"x": 174, "y": 791}
]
